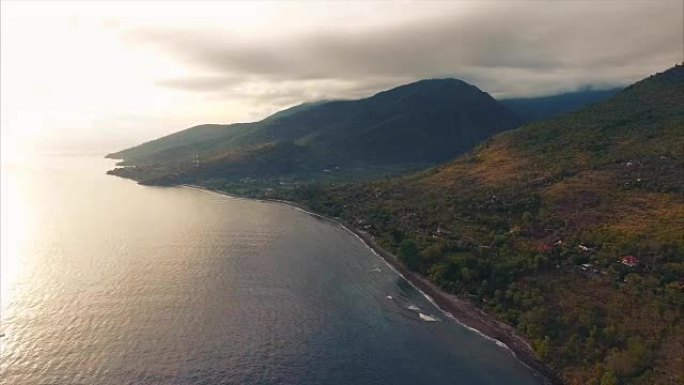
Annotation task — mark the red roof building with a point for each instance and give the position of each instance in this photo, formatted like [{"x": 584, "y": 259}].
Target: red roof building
[
  {"x": 544, "y": 248},
  {"x": 630, "y": 261}
]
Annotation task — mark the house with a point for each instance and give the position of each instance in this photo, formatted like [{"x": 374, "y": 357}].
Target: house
[
  {"x": 584, "y": 247},
  {"x": 441, "y": 230},
  {"x": 545, "y": 248},
  {"x": 514, "y": 230},
  {"x": 630, "y": 261}
]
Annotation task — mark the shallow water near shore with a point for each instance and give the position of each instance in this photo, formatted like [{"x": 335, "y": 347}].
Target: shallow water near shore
[{"x": 108, "y": 282}]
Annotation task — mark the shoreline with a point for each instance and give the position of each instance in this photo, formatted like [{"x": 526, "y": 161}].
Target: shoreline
[{"x": 458, "y": 309}]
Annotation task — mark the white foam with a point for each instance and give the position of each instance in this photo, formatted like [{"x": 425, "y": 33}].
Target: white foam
[
  {"x": 432, "y": 301},
  {"x": 373, "y": 251},
  {"x": 427, "y": 318},
  {"x": 486, "y": 337}
]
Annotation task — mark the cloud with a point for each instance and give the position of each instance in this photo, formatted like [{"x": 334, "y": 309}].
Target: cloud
[
  {"x": 508, "y": 49},
  {"x": 201, "y": 83}
]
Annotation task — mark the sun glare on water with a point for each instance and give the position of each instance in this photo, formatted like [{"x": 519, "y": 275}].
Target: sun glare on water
[{"x": 14, "y": 231}]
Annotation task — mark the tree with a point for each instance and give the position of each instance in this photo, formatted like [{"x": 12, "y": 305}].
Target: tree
[
  {"x": 609, "y": 378},
  {"x": 433, "y": 252},
  {"x": 408, "y": 251},
  {"x": 526, "y": 218},
  {"x": 396, "y": 236},
  {"x": 542, "y": 347}
]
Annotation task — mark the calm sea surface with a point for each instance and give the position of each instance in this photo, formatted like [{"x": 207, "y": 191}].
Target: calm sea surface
[{"x": 108, "y": 282}]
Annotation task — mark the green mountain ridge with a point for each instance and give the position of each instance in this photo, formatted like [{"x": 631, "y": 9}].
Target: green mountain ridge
[
  {"x": 545, "y": 107},
  {"x": 407, "y": 127},
  {"x": 338, "y": 139}
]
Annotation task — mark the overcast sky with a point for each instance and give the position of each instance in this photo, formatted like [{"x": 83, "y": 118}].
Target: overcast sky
[{"x": 107, "y": 75}]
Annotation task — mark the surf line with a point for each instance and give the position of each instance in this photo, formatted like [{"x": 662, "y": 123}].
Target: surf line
[{"x": 370, "y": 247}]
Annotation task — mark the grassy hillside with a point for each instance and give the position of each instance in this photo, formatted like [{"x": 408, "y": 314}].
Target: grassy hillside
[
  {"x": 532, "y": 226},
  {"x": 408, "y": 127}
]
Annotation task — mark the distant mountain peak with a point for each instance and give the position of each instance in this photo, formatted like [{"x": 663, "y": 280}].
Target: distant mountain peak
[
  {"x": 434, "y": 88},
  {"x": 434, "y": 84},
  {"x": 440, "y": 82}
]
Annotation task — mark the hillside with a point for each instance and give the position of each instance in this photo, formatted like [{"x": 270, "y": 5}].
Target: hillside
[
  {"x": 545, "y": 107},
  {"x": 408, "y": 127},
  {"x": 534, "y": 225}
]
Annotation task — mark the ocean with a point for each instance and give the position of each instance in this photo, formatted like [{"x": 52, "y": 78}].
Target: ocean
[{"x": 105, "y": 282}]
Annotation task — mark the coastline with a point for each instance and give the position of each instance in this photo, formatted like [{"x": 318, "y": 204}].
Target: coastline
[{"x": 458, "y": 309}]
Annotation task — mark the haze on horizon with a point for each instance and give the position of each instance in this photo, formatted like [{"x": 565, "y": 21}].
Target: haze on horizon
[{"x": 105, "y": 75}]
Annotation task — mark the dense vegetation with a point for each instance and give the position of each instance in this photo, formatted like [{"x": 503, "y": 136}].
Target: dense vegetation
[
  {"x": 533, "y": 225},
  {"x": 408, "y": 127}
]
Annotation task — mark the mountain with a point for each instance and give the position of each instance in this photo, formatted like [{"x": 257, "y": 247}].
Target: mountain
[
  {"x": 545, "y": 107},
  {"x": 569, "y": 229},
  {"x": 408, "y": 127}
]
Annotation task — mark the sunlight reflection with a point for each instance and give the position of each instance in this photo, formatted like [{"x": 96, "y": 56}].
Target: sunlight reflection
[{"x": 15, "y": 231}]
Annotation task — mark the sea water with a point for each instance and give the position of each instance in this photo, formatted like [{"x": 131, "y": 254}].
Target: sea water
[{"x": 108, "y": 282}]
